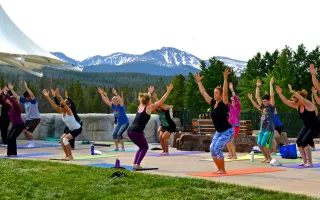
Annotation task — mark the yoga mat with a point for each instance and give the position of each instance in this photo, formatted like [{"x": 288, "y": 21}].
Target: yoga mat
[
  {"x": 31, "y": 155},
  {"x": 295, "y": 166},
  {"x": 105, "y": 165},
  {"x": 58, "y": 159},
  {"x": 284, "y": 161},
  {"x": 51, "y": 138},
  {"x": 237, "y": 172},
  {"x": 45, "y": 145},
  {"x": 175, "y": 153},
  {"x": 92, "y": 156},
  {"x": 100, "y": 142},
  {"x": 126, "y": 150},
  {"x": 240, "y": 158}
]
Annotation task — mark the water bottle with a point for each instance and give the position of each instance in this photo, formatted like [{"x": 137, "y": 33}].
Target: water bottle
[
  {"x": 252, "y": 156},
  {"x": 117, "y": 165},
  {"x": 92, "y": 149}
]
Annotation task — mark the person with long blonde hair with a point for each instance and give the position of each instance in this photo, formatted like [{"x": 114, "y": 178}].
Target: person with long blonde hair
[{"x": 135, "y": 130}]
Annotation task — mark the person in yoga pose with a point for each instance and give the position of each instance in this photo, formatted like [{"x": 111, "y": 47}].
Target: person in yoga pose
[
  {"x": 135, "y": 131},
  {"x": 310, "y": 122},
  {"x": 219, "y": 115},
  {"x": 4, "y": 118},
  {"x": 68, "y": 118},
  {"x": 16, "y": 121},
  {"x": 234, "y": 117},
  {"x": 167, "y": 125},
  {"x": 32, "y": 113},
  {"x": 267, "y": 108},
  {"x": 73, "y": 108},
  {"x": 119, "y": 112}
]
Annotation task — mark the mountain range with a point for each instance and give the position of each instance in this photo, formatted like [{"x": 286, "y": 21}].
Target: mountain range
[{"x": 164, "y": 61}]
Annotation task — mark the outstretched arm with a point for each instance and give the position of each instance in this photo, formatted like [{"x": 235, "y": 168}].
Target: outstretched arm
[
  {"x": 304, "y": 101},
  {"x": 15, "y": 95},
  {"x": 271, "y": 91},
  {"x": 289, "y": 103},
  {"x": 259, "y": 83},
  {"x": 162, "y": 100},
  {"x": 104, "y": 97},
  {"x": 253, "y": 102},
  {"x": 53, "y": 93},
  {"x": 202, "y": 89},
  {"x": 155, "y": 98},
  {"x": 28, "y": 90},
  {"x": 225, "y": 86},
  {"x": 315, "y": 95},
  {"x": 52, "y": 103},
  {"x": 315, "y": 81},
  {"x": 314, "y": 104},
  {"x": 119, "y": 98}
]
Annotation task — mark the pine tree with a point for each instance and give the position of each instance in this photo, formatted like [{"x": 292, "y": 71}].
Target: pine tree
[{"x": 192, "y": 95}]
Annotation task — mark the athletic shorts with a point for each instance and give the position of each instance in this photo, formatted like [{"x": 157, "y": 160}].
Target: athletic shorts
[
  {"x": 236, "y": 131},
  {"x": 279, "y": 129},
  {"x": 170, "y": 129},
  {"x": 75, "y": 133},
  {"x": 31, "y": 125},
  {"x": 67, "y": 130},
  {"x": 265, "y": 138}
]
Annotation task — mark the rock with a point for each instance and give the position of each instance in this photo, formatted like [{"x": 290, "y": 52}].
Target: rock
[
  {"x": 96, "y": 127},
  {"x": 283, "y": 139},
  {"x": 244, "y": 143},
  {"x": 191, "y": 142}
]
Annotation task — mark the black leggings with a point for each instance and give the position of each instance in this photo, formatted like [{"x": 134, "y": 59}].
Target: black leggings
[
  {"x": 4, "y": 125},
  {"x": 306, "y": 136},
  {"x": 12, "y": 139}
]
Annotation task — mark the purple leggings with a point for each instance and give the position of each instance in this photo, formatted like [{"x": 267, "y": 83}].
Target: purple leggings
[{"x": 141, "y": 142}]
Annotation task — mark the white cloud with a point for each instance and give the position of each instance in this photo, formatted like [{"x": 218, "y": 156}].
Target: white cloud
[{"x": 205, "y": 28}]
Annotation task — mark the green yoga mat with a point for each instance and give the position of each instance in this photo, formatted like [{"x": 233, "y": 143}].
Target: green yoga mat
[
  {"x": 93, "y": 156},
  {"x": 284, "y": 161},
  {"x": 51, "y": 139}
]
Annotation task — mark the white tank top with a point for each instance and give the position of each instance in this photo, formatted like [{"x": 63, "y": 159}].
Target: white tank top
[{"x": 71, "y": 122}]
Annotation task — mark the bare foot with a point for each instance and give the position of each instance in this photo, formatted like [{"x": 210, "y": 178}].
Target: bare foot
[
  {"x": 302, "y": 164},
  {"x": 137, "y": 167},
  {"x": 234, "y": 157},
  {"x": 268, "y": 161},
  {"x": 165, "y": 153},
  {"x": 216, "y": 171},
  {"x": 122, "y": 149},
  {"x": 308, "y": 165},
  {"x": 263, "y": 161},
  {"x": 221, "y": 171}
]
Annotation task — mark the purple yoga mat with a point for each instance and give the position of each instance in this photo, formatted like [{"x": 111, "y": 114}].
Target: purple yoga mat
[
  {"x": 175, "y": 153},
  {"x": 295, "y": 166}
]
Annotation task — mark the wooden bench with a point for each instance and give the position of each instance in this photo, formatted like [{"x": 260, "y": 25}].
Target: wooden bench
[{"x": 205, "y": 126}]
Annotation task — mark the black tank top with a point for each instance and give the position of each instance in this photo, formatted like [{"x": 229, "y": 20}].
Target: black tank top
[
  {"x": 219, "y": 116},
  {"x": 140, "y": 121},
  {"x": 309, "y": 118}
]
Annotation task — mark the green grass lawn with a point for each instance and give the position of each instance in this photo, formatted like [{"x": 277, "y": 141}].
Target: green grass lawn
[{"x": 26, "y": 179}]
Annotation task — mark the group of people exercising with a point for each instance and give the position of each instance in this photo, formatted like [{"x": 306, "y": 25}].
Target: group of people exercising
[{"x": 225, "y": 114}]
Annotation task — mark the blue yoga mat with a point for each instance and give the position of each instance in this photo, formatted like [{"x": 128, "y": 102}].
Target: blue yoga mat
[
  {"x": 23, "y": 146},
  {"x": 31, "y": 155},
  {"x": 126, "y": 150},
  {"x": 105, "y": 165}
]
